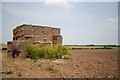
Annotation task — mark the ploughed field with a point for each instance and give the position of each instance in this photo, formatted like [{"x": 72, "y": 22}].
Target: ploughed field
[{"x": 97, "y": 63}]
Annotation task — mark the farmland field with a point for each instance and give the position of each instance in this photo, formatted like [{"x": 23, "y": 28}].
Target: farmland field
[{"x": 100, "y": 63}]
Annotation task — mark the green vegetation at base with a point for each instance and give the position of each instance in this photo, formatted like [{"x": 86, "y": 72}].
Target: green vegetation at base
[{"x": 53, "y": 52}]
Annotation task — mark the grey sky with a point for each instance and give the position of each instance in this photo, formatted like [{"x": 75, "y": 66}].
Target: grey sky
[
  {"x": 0, "y": 22},
  {"x": 80, "y": 22}
]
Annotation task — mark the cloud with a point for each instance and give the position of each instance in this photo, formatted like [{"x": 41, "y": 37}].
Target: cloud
[
  {"x": 112, "y": 19},
  {"x": 60, "y": 3}
]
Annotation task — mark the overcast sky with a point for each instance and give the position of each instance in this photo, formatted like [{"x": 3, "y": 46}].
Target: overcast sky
[{"x": 80, "y": 22}]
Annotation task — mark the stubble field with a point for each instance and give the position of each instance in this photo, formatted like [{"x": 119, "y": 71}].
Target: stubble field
[{"x": 100, "y": 63}]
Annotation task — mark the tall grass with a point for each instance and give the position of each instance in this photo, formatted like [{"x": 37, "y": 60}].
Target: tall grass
[{"x": 54, "y": 52}]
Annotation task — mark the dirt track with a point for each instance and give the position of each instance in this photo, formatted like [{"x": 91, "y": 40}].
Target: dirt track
[{"x": 85, "y": 64}]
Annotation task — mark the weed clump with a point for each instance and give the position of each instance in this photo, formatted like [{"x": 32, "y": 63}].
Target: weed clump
[
  {"x": 50, "y": 68},
  {"x": 54, "y": 52}
]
